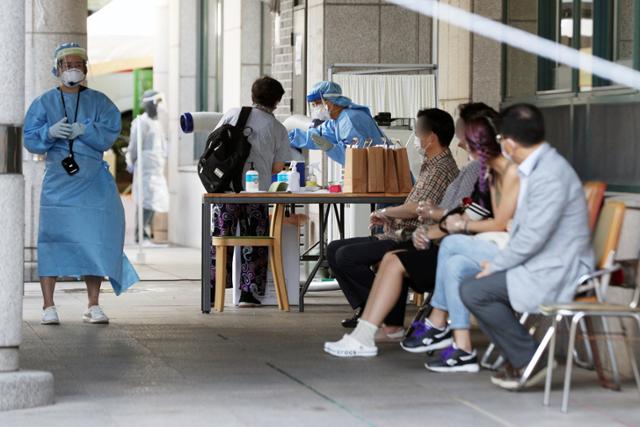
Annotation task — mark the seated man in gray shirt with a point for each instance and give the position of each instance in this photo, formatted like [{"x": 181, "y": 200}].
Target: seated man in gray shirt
[{"x": 269, "y": 150}]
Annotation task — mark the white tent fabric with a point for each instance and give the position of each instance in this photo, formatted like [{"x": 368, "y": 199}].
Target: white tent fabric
[
  {"x": 401, "y": 95},
  {"x": 121, "y": 36}
]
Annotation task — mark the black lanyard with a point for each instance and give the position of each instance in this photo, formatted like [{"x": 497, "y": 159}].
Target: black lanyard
[{"x": 75, "y": 119}]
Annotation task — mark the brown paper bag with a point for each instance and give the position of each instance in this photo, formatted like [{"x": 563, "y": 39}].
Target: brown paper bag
[
  {"x": 375, "y": 165},
  {"x": 404, "y": 171},
  {"x": 355, "y": 170},
  {"x": 390, "y": 172}
]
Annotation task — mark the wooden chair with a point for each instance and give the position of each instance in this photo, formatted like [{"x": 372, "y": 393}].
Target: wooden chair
[
  {"x": 578, "y": 311},
  {"x": 273, "y": 242},
  {"x": 594, "y": 192},
  {"x": 605, "y": 243}
]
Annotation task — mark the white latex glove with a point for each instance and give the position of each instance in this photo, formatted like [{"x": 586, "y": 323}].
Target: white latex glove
[
  {"x": 77, "y": 129},
  {"x": 425, "y": 210},
  {"x": 455, "y": 224},
  {"x": 420, "y": 239},
  {"x": 60, "y": 130},
  {"x": 377, "y": 218},
  {"x": 322, "y": 142}
]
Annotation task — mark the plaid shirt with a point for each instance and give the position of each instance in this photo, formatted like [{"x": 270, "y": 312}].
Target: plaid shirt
[{"x": 435, "y": 176}]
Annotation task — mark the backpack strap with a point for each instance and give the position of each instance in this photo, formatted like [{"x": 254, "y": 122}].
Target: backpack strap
[{"x": 242, "y": 118}]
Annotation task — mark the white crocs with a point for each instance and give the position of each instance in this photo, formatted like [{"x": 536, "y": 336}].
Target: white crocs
[
  {"x": 349, "y": 347},
  {"x": 50, "y": 316},
  {"x": 94, "y": 314}
]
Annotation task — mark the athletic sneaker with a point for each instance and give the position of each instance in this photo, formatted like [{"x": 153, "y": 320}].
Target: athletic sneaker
[
  {"x": 453, "y": 359},
  {"x": 426, "y": 337},
  {"x": 248, "y": 300},
  {"x": 94, "y": 314},
  {"x": 50, "y": 316},
  {"x": 349, "y": 347}
]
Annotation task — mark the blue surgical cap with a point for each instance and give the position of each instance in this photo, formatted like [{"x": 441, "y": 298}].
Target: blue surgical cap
[
  {"x": 337, "y": 99},
  {"x": 319, "y": 89}
]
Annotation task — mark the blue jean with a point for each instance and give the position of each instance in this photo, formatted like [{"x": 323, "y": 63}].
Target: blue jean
[{"x": 459, "y": 259}]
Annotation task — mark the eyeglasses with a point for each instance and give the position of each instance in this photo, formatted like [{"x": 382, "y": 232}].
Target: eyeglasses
[{"x": 69, "y": 65}]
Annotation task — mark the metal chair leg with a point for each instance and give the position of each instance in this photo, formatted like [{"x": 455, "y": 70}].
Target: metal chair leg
[
  {"x": 536, "y": 356},
  {"x": 632, "y": 355},
  {"x": 586, "y": 364},
  {"x": 615, "y": 373},
  {"x": 569, "y": 367},
  {"x": 552, "y": 350}
]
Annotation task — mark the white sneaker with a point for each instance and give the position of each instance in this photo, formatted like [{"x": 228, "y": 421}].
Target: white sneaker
[
  {"x": 50, "y": 316},
  {"x": 94, "y": 314},
  {"x": 349, "y": 347}
]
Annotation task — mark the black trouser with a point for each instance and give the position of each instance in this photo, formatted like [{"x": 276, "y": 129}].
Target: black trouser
[
  {"x": 488, "y": 300},
  {"x": 351, "y": 261}
]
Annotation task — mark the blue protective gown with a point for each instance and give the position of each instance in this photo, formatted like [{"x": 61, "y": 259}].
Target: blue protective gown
[
  {"x": 353, "y": 122},
  {"x": 81, "y": 216}
]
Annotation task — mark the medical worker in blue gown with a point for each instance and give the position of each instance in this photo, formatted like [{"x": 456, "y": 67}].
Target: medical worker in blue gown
[
  {"x": 81, "y": 216},
  {"x": 347, "y": 122}
]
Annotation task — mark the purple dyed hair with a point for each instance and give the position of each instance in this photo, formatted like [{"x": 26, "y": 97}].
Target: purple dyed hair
[{"x": 481, "y": 140}]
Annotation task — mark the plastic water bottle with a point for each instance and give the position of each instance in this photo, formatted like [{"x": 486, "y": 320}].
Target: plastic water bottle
[
  {"x": 293, "y": 178},
  {"x": 252, "y": 180}
]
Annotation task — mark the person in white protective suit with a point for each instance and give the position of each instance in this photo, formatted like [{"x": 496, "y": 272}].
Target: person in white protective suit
[{"x": 155, "y": 193}]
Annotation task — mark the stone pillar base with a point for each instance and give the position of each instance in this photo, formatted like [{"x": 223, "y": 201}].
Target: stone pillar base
[{"x": 25, "y": 389}]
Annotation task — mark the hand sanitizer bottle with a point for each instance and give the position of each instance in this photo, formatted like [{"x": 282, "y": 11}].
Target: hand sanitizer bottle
[{"x": 252, "y": 180}]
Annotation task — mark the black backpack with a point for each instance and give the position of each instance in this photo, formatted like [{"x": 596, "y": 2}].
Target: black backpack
[{"x": 222, "y": 163}]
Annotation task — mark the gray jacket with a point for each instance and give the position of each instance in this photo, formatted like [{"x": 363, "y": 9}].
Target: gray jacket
[{"x": 550, "y": 241}]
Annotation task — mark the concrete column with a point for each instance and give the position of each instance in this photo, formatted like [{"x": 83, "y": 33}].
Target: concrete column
[
  {"x": 161, "y": 58},
  {"x": 18, "y": 389},
  {"x": 47, "y": 24}
]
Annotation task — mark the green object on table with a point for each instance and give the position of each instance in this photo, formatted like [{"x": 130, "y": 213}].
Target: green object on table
[{"x": 277, "y": 186}]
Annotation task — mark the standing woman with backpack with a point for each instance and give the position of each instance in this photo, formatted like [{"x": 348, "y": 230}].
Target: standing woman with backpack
[{"x": 269, "y": 150}]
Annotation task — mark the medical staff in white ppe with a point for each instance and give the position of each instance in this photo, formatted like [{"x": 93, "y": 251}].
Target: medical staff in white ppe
[{"x": 155, "y": 193}]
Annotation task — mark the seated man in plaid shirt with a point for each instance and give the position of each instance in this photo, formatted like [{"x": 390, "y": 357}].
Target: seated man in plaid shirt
[{"x": 351, "y": 259}]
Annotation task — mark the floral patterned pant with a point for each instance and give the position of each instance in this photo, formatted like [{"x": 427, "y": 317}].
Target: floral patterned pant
[{"x": 254, "y": 221}]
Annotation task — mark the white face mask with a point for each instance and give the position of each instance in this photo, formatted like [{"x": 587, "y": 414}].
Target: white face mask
[
  {"x": 72, "y": 77},
  {"x": 504, "y": 152},
  {"x": 418, "y": 145},
  {"x": 320, "y": 112}
]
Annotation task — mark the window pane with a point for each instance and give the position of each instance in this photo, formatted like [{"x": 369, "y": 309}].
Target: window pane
[
  {"x": 586, "y": 39},
  {"x": 564, "y": 31},
  {"x": 556, "y": 24},
  {"x": 521, "y": 75},
  {"x": 623, "y": 51}
]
